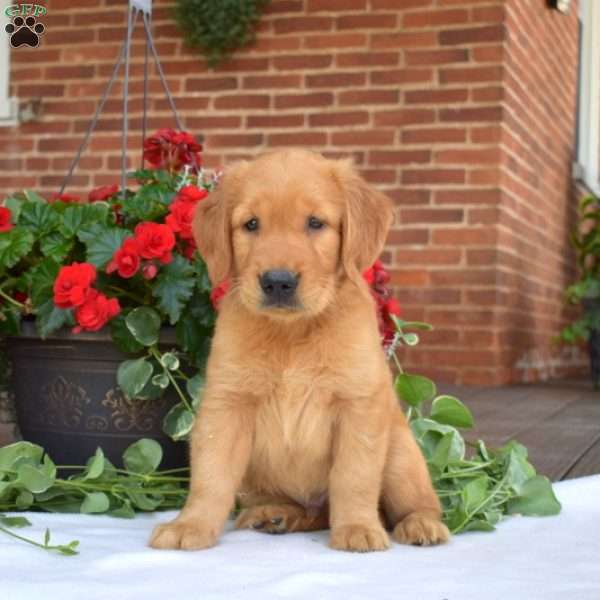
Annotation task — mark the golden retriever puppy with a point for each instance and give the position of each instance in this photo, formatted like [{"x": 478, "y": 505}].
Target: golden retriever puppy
[{"x": 299, "y": 416}]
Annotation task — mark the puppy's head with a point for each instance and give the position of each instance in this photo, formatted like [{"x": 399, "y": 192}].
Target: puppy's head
[{"x": 287, "y": 227}]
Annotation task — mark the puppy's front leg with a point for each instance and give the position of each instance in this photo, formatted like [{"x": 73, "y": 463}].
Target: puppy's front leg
[
  {"x": 221, "y": 442},
  {"x": 360, "y": 443}
]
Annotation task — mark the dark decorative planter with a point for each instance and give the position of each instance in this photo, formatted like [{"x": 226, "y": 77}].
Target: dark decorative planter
[
  {"x": 67, "y": 399},
  {"x": 593, "y": 306}
]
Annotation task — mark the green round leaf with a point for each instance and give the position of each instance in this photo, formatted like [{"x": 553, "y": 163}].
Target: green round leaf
[
  {"x": 170, "y": 361},
  {"x": 122, "y": 337},
  {"x": 33, "y": 479},
  {"x": 410, "y": 339},
  {"x": 536, "y": 497},
  {"x": 178, "y": 422},
  {"x": 143, "y": 456},
  {"x": 195, "y": 388},
  {"x": 95, "y": 465},
  {"x": 414, "y": 389},
  {"x": 160, "y": 380},
  {"x": 95, "y": 502},
  {"x": 133, "y": 375},
  {"x": 451, "y": 411},
  {"x": 144, "y": 325}
]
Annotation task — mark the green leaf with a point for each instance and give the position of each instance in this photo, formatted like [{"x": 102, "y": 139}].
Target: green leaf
[
  {"x": 39, "y": 217},
  {"x": 55, "y": 245},
  {"x": 14, "y": 245},
  {"x": 122, "y": 337},
  {"x": 14, "y": 205},
  {"x": 10, "y": 322},
  {"x": 24, "y": 500},
  {"x": 125, "y": 511},
  {"x": 429, "y": 433},
  {"x": 133, "y": 375},
  {"x": 474, "y": 493},
  {"x": 149, "y": 203},
  {"x": 102, "y": 246},
  {"x": 535, "y": 497},
  {"x": 42, "y": 281},
  {"x": 14, "y": 453},
  {"x": 169, "y": 361},
  {"x": 95, "y": 502},
  {"x": 400, "y": 324},
  {"x": 32, "y": 196},
  {"x": 518, "y": 469},
  {"x": 195, "y": 388},
  {"x": 410, "y": 339},
  {"x": 414, "y": 389},
  {"x": 451, "y": 411},
  {"x": 77, "y": 216},
  {"x": 143, "y": 456},
  {"x": 14, "y": 521},
  {"x": 144, "y": 324},
  {"x": 174, "y": 287},
  {"x": 32, "y": 479},
  {"x": 478, "y": 525},
  {"x": 50, "y": 318},
  {"x": 95, "y": 465},
  {"x": 178, "y": 422},
  {"x": 194, "y": 329},
  {"x": 161, "y": 380}
]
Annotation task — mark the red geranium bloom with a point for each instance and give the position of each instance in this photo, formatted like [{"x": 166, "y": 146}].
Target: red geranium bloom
[
  {"x": 155, "y": 241},
  {"x": 5, "y": 219},
  {"x": 181, "y": 217},
  {"x": 126, "y": 260},
  {"x": 191, "y": 193},
  {"x": 64, "y": 198},
  {"x": 170, "y": 149},
  {"x": 104, "y": 192},
  {"x": 217, "y": 294},
  {"x": 73, "y": 284},
  {"x": 95, "y": 312}
]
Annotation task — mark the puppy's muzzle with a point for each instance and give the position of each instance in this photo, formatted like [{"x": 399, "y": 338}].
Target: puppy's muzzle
[{"x": 279, "y": 288}]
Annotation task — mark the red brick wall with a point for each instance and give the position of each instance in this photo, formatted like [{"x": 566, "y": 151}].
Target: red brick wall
[{"x": 461, "y": 110}]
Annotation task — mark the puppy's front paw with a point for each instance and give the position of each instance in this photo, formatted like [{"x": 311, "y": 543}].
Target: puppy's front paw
[
  {"x": 271, "y": 518},
  {"x": 184, "y": 535},
  {"x": 359, "y": 538},
  {"x": 421, "y": 529}
]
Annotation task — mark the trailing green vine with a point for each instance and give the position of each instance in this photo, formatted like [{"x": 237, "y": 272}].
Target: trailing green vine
[
  {"x": 477, "y": 485},
  {"x": 218, "y": 27}
]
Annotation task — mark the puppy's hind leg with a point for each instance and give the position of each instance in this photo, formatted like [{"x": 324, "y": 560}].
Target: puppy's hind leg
[
  {"x": 277, "y": 514},
  {"x": 410, "y": 503}
]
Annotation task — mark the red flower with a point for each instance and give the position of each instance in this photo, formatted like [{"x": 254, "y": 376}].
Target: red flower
[
  {"x": 191, "y": 193},
  {"x": 169, "y": 149},
  {"x": 95, "y": 312},
  {"x": 181, "y": 217},
  {"x": 64, "y": 198},
  {"x": 73, "y": 284},
  {"x": 155, "y": 241},
  {"x": 217, "y": 294},
  {"x": 104, "y": 192},
  {"x": 126, "y": 260},
  {"x": 149, "y": 271},
  {"x": 5, "y": 217}
]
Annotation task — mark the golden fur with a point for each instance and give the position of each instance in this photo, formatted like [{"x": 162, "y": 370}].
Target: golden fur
[{"x": 299, "y": 417}]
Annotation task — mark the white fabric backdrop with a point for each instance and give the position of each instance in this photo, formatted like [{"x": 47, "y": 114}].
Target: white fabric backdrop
[{"x": 526, "y": 558}]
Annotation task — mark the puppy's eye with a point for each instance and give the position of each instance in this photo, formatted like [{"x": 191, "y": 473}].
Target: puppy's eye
[
  {"x": 314, "y": 223},
  {"x": 251, "y": 225}
]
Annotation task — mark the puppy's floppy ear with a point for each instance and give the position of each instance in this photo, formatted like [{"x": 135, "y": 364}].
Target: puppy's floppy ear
[
  {"x": 212, "y": 225},
  {"x": 366, "y": 222}
]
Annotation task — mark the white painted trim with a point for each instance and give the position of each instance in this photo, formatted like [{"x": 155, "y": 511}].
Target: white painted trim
[
  {"x": 589, "y": 95},
  {"x": 8, "y": 106}
]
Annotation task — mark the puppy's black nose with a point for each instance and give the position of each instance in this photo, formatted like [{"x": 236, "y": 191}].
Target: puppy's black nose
[{"x": 279, "y": 286}]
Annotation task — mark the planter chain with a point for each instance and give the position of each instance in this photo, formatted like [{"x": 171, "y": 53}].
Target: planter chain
[{"x": 135, "y": 8}]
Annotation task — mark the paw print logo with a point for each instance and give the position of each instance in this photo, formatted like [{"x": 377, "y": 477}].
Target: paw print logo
[{"x": 24, "y": 32}]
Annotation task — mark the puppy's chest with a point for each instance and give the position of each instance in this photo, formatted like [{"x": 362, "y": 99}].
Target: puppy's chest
[{"x": 293, "y": 431}]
